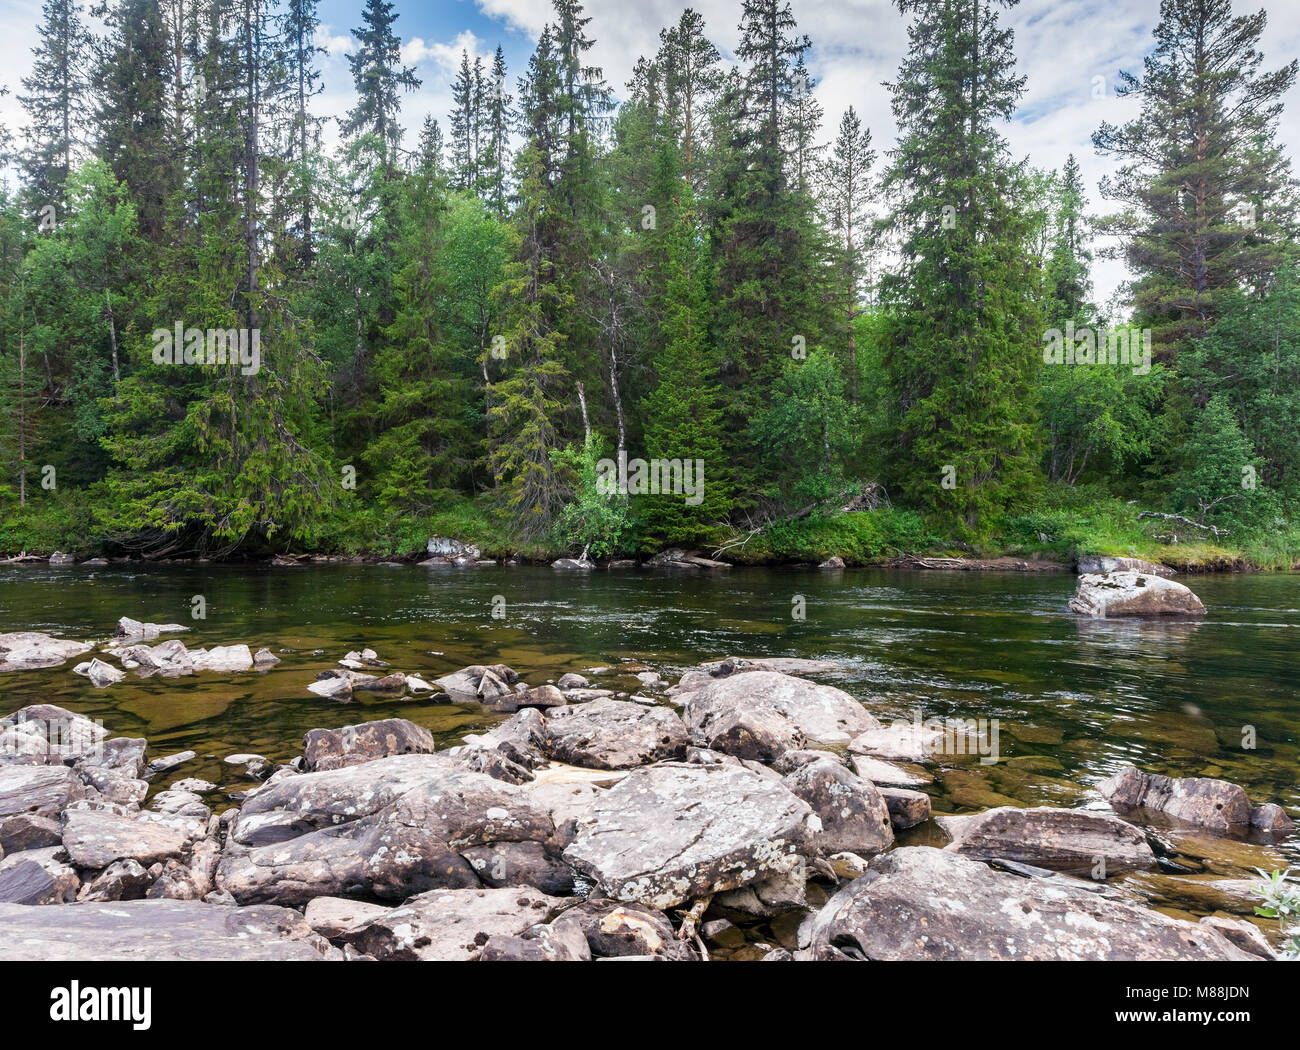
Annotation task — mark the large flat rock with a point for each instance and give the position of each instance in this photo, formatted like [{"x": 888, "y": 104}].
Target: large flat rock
[
  {"x": 674, "y": 832},
  {"x": 43, "y": 791},
  {"x": 1069, "y": 840},
  {"x": 448, "y": 924},
  {"x": 94, "y": 838},
  {"x": 131, "y": 931},
  {"x": 28, "y": 650},
  {"x": 920, "y": 903}
]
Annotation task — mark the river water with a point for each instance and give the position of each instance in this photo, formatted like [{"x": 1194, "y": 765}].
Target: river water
[{"x": 1074, "y": 699}]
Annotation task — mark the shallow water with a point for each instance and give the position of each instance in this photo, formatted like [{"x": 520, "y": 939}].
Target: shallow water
[{"x": 1075, "y": 699}]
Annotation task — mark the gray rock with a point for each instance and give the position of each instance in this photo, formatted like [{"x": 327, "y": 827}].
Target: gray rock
[
  {"x": 265, "y": 659},
  {"x": 907, "y": 808},
  {"x": 223, "y": 658},
  {"x": 99, "y": 673},
  {"x": 389, "y": 685},
  {"x": 388, "y": 829},
  {"x": 573, "y": 564},
  {"x": 673, "y": 832},
  {"x": 614, "y": 734},
  {"x": 335, "y": 748},
  {"x": 169, "y": 762},
  {"x": 157, "y": 929},
  {"x": 29, "y": 883},
  {"x": 1214, "y": 804},
  {"x": 1134, "y": 594},
  {"x": 501, "y": 864},
  {"x": 901, "y": 742},
  {"x": 96, "y": 838},
  {"x": 63, "y": 881},
  {"x": 572, "y": 681},
  {"x": 334, "y": 917},
  {"x": 1068, "y": 840},
  {"x": 123, "y": 880},
  {"x": 52, "y": 732},
  {"x": 135, "y": 630},
  {"x": 331, "y": 688},
  {"x": 28, "y": 650},
  {"x": 24, "y": 831},
  {"x": 558, "y": 941},
  {"x": 1103, "y": 563},
  {"x": 477, "y": 682},
  {"x": 880, "y": 772},
  {"x": 42, "y": 791},
  {"x": 1273, "y": 818},
  {"x": 922, "y": 903},
  {"x": 451, "y": 924},
  {"x": 853, "y": 813},
  {"x": 759, "y": 714}
]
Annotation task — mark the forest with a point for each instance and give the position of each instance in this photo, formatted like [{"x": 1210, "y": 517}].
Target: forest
[{"x": 219, "y": 338}]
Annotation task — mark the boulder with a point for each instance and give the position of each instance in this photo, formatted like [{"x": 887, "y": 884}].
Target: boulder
[
  {"x": 474, "y": 683},
  {"x": 223, "y": 658},
  {"x": 500, "y": 864},
  {"x": 51, "y": 732},
  {"x": 853, "y": 813},
  {"x": 136, "y": 631},
  {"x": 617, "y": 929},
  {"x": 389, "y": 685},
  {"x": 450, "y": 924},
  {"x": 24, "y": 831},
  {"x": 168, "y": 762},
  {"x": 123, "y": 880},
  {"x": 27, "y": 882},
  {"x": 168, "y": 930},
  {"x": 1213, "y": 804},
  {"x": 28, "y": 650},
  {"x": 758, "y": 714},
  {"x": 919, "y": 903},
  {"x": 59, "y": 886},
  {"x": 1272, "y": 818},
  {"x": 572, "y": 564},
  {"x": 334, "y": 917},
  {"x": 41, "y": 791},
  {"x": 1137, "y": 594},
  {"x": 99, "y": 673},
  {"x": 558, "y": 941},
  {"x": 445, "y": 548},
  {"x": 388, "y": 828},
  {"x": 1069, "y": 840},
  {"x": 880, "y": 772},
  {"x": 907, "y": 808},
  {"x": 331, "y": 688},
  {"x": 264, "y": 659},
  {"x": 572, "y": 681},
  {"x": 833, "y": 562},
  {"x": 614, "y": 734},
  {"x": 335, "y": 748},
  {"x": 96, "y": 838},
  {"x": 674, "y": 832}
]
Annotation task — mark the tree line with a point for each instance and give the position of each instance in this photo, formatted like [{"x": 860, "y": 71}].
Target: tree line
[{"x": 696, "y": 268}]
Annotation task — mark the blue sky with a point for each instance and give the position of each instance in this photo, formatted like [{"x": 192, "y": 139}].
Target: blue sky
[{"x": 1063, "y": 46}]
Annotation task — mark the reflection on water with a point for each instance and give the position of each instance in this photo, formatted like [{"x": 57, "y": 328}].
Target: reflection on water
[{"x": 1075, "y": 699}]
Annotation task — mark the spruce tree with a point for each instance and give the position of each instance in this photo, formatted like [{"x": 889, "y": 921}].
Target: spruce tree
[
  {"x": 56, "y": 94},
  {"x": 963, "y": 343}
]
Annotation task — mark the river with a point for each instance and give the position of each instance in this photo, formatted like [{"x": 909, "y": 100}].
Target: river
[{"x": 1074, "y": 699}]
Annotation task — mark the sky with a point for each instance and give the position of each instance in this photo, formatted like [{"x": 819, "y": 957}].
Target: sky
[{"x": 1063, "y": 47}]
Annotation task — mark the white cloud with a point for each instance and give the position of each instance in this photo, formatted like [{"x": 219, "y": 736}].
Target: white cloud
[{"x": 334, "y": 43}]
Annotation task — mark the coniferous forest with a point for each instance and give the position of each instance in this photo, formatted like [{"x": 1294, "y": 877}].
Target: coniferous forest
[{"x": 693, "y": 310}]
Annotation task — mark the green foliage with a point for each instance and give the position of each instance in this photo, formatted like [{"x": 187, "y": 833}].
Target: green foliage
[
  {"x": 596, "y": 518},
  {"x": 1281, "y": 896}
]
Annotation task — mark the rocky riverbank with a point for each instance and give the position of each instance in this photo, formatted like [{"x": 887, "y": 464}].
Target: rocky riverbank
[{"x": 744, "y": 812}]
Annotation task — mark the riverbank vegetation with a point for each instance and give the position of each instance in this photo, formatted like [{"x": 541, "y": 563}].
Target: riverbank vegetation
[{"x": 864, "y": 349}]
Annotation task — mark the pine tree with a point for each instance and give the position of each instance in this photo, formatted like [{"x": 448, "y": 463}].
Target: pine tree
[
  {"x": 961, "y": 351},
  {"x": 692, "y": 78},
  {"x": 497, "y": 121},
  {"x": 1206, "y": 189}
]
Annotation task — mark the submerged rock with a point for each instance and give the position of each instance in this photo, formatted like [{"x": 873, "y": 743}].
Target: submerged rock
[
  {"x": 674, "y": 832},
  {"x": 1135, "y": 594},
  {"x": 921, "y": 903},
  {"x": 1069, "y": 840},
  {"x": 136, "y": 631}
]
